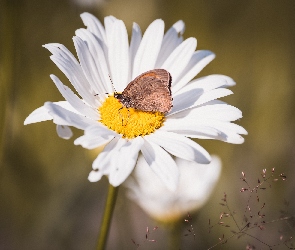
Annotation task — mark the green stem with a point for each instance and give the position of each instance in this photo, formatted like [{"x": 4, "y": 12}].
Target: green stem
[
  {"x": 174, "y": 230},
  {"x": 107, "y": 217}
]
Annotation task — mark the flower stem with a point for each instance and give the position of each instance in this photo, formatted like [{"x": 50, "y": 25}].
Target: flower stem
[
  {"x": 107, "y": 217},
  {"x": 174, "y": 230}
]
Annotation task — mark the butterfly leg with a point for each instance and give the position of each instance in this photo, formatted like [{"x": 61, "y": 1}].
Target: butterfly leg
[{"x": 122, "y": 117}]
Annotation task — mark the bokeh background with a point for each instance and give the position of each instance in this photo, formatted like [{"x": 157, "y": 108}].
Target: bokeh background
[{"x": 46, "y": 201}]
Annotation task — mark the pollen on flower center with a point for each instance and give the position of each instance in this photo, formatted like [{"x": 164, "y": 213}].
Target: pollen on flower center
[{"x": 128, "y": 121}]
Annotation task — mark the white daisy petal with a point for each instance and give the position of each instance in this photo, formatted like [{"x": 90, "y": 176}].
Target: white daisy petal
[
  {"x": 185, "y": 100},
  {"x": 198, "y": 61},
  {"x": 213, "y": 102},
  {"x": 212, "y": 95},
  {"x": 149, "y": 48},
  {"x": 102, "y": 164},
  {"x": 41, "y": 114},
  {"x": 194, "y": 98},
  {"x": 99, "y": 129},
  {"x": 66, "y": 105},
  {"x": 38, "y": 115},
  {"x": 229, "y": 132},
  {"x": 134, "y": 44},
  {"x": 108, "y": 24},
  {"x": 128, "y": 157},
  {"x": 226, "y": 131},
  {"x": 189, "y": 129},
  {"x": 93, "y": 141},
  {"x": 88, "y": 65},
  {"x": 171, "y": 40},
  {"x": 161, "y": 163},
  {"x": 195, "y": 93},
  {"x": 109, "y": 163},
  {"x": 62, "y": 116},
  {"x": 204, "y": 84},
  {"x": 180, "y": 146},
  {"x": 180, "y": 57},
  {"x": 199, "y": 135},
  {"x": 228, "y": 81},
  {"x": 74, "y": 100},
  {"x": 118, "y": 55},
  {"x": 68, "y": 64},
  {"x": 103, "y": 83},
  {"x": 94, "y": 25},
  {"x": 96, "y": 28},
  {"x": 230, "y": 127},
  {"x": 64, "y": 131},
  {"x": 222, "y": 112},
  {"x": 177, "y": 29},
  {"x": 95, "y": 176},
  {"x": 105, "y": 159},
  {"x": 231, "y": 137},
  {"x": 95, "y": 136}
]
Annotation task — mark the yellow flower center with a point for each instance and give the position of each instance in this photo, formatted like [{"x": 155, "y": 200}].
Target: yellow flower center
[{"x": 128, "y": 121}]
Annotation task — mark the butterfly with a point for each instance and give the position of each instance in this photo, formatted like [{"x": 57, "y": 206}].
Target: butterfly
[{"x": 150, "y": 91}]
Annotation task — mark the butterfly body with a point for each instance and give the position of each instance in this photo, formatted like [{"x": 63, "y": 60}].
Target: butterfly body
[{"x": 150, "y": 91}]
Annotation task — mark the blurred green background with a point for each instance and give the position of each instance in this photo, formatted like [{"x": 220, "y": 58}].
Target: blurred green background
[{"x": 46, "y": 201}]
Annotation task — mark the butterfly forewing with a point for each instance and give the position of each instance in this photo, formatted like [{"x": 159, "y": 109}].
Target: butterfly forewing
[{"x": 151, "y": 91}]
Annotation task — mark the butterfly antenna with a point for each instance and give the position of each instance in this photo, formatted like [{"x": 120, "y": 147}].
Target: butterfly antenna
[{"x": 112, "y": 84}]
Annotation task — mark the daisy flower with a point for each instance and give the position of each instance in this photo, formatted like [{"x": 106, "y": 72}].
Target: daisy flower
[
  {"x": 196, "y": 184},
  {"x": 107, "y": 63}
]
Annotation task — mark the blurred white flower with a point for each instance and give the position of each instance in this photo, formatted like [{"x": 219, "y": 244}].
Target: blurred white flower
[
  {"x": 89, "y": 3},
  {"x": 196, "y": 184},
  {"x": 104, "y": 53}
]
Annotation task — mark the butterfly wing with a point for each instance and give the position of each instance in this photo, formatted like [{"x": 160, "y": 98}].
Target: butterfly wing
[{"x": 151, "y": 91}]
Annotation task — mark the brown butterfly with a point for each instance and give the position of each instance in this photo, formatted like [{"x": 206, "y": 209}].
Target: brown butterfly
[{"x": 151, "y": 91}]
